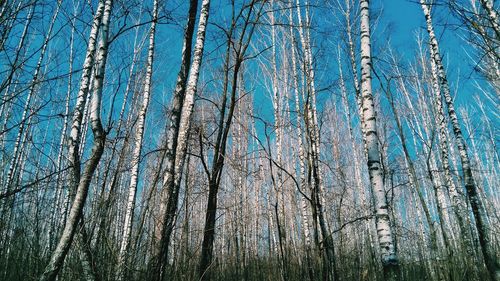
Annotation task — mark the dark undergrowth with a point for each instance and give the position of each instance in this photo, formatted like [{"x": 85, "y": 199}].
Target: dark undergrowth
[{"x": 348, "y": 267}]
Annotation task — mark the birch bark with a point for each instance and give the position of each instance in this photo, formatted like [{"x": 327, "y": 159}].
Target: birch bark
[
  {"x": 388, "y": 253},
  {"x": 100, "y": 22},
  {"x": 59, "y": 197},
  {"x": 492, "y": 14},
  {"x": 31, "y": 93},
  {"x": 136, "y": 155},
  {"x": 177, "y": 135},
  {"x": 481, "y": 220},
  {"x": 302, "y": 164}
]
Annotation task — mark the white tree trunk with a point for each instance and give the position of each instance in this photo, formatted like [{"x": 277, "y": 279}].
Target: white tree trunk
[
  {"x": 31, "y": 92},
  {"x": 136, "y": 154},
  {"x": 442, "y": 87},
  {"x": 302, "y": 164},
  {"x": 192, "y": 82},
  {"x": 100, "y": 22},
  {"x": 389, "y": 257},
  {"x": 177, "y": 140},
  {"x": 492, "y": 14}
]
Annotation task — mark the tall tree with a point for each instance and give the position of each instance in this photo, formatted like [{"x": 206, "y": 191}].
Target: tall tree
[
  {"x": 480, "y": 218},
  {"x": 236, "y": 48},
  {"x": 136, "y": 156},
  {"x": 390, "y": 262},
  {"x": 81, "y": 182},
  {"x": 177, "y": 135}
]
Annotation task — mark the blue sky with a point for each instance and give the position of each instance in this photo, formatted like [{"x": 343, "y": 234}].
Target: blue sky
[
  {"x": 406, "y": 19},
  {"x": 399, "y": 20}
]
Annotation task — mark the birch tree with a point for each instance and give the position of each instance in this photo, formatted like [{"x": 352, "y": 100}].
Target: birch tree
[
  {"x": 15, "y": 163},
  {"x": 82, "y": 182},
  {"x": 177, "y": 136},
  {"x": 481, "y": 220},
  {"x": 136, "y": 156},
  {"x": 388, "y": 253},
  {"x": 251, "y": 168}
]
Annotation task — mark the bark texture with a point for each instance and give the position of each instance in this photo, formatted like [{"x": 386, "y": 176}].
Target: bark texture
[
  {"x": 82, "y": 182},
  {"x": 389, "y": 257}
]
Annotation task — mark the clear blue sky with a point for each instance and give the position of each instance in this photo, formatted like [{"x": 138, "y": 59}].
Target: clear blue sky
[{"x": 406, "y": 19}]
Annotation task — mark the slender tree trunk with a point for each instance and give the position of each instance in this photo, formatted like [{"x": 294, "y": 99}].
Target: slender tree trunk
[
  {"x": 59, "y": 197},
  {"x": 300, "y": 144},
  {"x": 177, "y": 136},
  {"x": 16, "y": 63},
  {"x": 412, "y": 175},
  {"x": 209, "y": 233},
  {"x": 492, "y": 15},
  {"x": 101, "y": 22},
  {"x": 359, "y": 102},
  {"x": 238, "y": 49},
  {"x": 481, "y": 220},
  {"x": 139, "y": 134},
  {"x": 8, "y": 81},
  {"x": 278, "y": 124},
  {"x": 31, "y": 92},
  {"x": 312, "y": 129},
  {"x": 389, "y": 257}
]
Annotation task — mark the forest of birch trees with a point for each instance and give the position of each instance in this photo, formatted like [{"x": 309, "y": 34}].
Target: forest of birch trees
[{"x": 249, "y": 140}]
